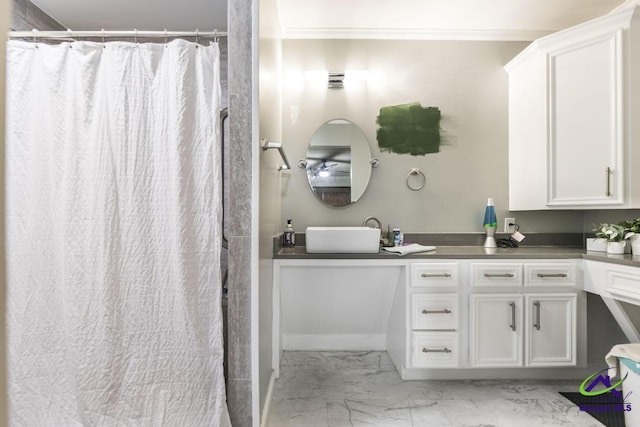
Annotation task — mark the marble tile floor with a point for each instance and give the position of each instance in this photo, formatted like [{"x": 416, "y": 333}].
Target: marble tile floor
[{"x": 364, "y": 389}]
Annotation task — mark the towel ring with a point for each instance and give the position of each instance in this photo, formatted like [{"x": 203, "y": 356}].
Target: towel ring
[{"x": 422, "y": 182}]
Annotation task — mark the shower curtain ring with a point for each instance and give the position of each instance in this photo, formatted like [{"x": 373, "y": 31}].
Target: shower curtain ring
[
  {"x": 166, "y": 38},
  {"x": 135, "y": 36},
  {"x": 103, "y": 35},
  {"x": 197, "y": 36},
  {"x": 215, "y": 36}
]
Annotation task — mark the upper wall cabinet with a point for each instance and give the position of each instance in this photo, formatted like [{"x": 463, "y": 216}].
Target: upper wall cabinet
[{"x": 573, "y": 97}]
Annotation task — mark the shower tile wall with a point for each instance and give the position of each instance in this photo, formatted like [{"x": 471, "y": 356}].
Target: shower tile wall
[
  {"x": 27, "y": 16},
  {"x": 241, "y": 137}
]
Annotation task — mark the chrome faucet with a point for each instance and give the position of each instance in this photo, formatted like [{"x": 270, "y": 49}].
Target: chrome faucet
[{"x": 372, "y": 218}]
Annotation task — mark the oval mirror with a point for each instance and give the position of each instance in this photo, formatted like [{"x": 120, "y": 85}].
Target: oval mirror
[{"x": 338, "y": 163}]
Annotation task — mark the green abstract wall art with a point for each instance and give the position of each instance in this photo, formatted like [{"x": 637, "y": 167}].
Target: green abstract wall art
[{"x": 409, "y": 129}]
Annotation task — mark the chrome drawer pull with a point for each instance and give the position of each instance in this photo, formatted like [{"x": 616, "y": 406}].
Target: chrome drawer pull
[
  {"x": 513, "y": 316},
  {"x": 445, "y": 311},
  {"x": 427, "y": 275},
  {"x": 536, "y": 324},
  {"x": 552, "y": 275},
  {"x": 437, "y": 350},
  {"x": 499, "y": 275}
]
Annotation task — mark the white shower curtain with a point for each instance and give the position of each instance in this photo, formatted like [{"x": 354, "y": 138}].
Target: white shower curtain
[{"x": 113, "y": 235}]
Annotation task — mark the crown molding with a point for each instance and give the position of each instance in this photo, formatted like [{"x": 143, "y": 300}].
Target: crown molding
[
  {"x": 626, "y": 5},
  {"x": 413, "y": 34}
]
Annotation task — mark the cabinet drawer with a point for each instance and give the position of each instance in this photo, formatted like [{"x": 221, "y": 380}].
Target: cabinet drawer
[
  {"x": 434, "y": 349},
  {"x": 496, "y": 274},
  {"x": 434, "y": 274},
  {"x": 434, "y": 311},
  {"x": 624, "y": 282},
  {"x": 546, "y": 274}
]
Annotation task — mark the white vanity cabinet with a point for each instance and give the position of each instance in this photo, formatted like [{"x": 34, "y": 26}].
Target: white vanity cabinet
[
  {"x": 525, "y": 326},
  {"x": 436, "y": 318},
  {"x": 572, "y": 99}
]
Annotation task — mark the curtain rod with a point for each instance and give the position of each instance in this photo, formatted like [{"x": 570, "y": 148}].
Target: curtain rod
[{"x": 36, "y": 34}]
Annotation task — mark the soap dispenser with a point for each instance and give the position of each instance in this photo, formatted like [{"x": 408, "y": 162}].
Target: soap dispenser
[{"x": 289, "y": 236}]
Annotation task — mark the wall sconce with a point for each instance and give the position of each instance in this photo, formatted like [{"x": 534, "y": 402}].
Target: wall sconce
[{"x": 336, "y": 80}]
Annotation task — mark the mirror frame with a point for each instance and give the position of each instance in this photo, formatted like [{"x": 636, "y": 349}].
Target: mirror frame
[{"x": 331, "y": 160}]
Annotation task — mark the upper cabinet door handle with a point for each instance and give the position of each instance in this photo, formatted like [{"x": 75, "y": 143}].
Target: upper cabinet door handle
[{"x": 608, "y": 172}]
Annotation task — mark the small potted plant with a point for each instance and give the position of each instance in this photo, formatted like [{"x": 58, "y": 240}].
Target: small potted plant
[
  {"x": 632, "y": 228},
  {"x": 615, "y": 235}
]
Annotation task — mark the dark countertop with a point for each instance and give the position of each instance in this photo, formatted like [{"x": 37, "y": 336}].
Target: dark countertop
[
  {"x": 473, "y": 252},
  {"x": 626, "y": 259}
]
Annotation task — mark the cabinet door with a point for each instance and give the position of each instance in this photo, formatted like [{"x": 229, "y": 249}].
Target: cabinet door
[
  {"x": 551, "y": 329},
  {"x": 585, "y": 126},
  {"x": 496, "y": 330}
]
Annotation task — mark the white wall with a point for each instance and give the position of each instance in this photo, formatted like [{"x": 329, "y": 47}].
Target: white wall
[
  {"x": 466, "y": 80},
  {"x": 592, "y": 218}
]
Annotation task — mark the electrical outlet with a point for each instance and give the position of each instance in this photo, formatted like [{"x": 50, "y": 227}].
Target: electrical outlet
[{"x": 509, "y": 228}]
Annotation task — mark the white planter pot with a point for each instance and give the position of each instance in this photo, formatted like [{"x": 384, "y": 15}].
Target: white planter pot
[
  {"x": 616, "y": 247},
  {"x": 635, "y": 244},
  {"x": 597, "y": 244}
]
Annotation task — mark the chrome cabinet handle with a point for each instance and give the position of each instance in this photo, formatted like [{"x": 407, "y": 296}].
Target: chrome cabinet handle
[
  {"x": 608, "y": 172},
  {"x": 499, "y": 275},
  {"x": 552, "y": 275},
  {"x": 536, "y": 323},
  {"x": 513, "y": 316},
  {"x": 435, "y": 350},
  {"x": 426, "y": 275},
  {"x": 445, "y": 311}
]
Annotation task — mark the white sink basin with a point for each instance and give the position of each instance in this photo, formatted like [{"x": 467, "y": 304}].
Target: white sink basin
[{"x": 342, "y": 240}]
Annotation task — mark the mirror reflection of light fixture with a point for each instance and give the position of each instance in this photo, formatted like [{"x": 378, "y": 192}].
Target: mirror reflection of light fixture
[{"x": 324, "y": 174}]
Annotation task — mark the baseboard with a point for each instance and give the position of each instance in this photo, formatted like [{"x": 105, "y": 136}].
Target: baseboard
[
  {"x": 334, "y": 342},
  {"x": 264, "y": 417},
  {"x": 561, "y": 373}
]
